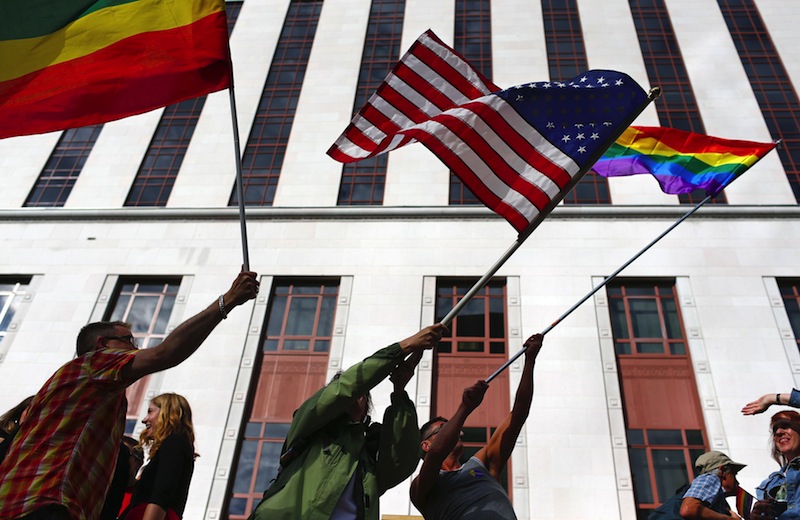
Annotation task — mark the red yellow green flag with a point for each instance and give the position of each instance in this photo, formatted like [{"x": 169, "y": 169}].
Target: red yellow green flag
[{"x": 72, "y": 63}]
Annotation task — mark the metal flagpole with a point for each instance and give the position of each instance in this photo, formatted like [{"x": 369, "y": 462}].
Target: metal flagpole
[
  {"x": 239, "y": 187},
  {"x": 602, "y": 284},
  {"x": 611, "y": 277},
  {"x": 654, "y": 93}
]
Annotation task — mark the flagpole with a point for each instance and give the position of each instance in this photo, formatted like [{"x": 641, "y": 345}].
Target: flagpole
[
  {"x": 239, "y": 186},
  {"x": 602, "y": 284},
  {"x": 614, "y": 275},
  {"x": 654, "y": 93}
]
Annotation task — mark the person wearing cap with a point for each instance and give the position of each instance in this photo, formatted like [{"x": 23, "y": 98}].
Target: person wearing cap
[
  {"x": 778, "y": 495},
  {"x": 716, "y": 479}
]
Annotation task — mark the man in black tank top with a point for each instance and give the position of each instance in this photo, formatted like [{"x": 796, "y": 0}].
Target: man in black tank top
[{"x": 446, "y": 489}]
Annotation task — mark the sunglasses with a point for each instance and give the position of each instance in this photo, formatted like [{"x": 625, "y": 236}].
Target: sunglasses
[
  {"x": 433, "y": 432},
  {"x": 783, "y": 425}
]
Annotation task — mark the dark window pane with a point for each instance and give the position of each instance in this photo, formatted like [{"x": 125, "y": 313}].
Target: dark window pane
[
  {"x": 470, "y": 346},
  {"x": 253, "y": 429},
  {"x": 474, "y": 435},
  {"x": 622, "y": 348},
  {"x": 670, "y": 470},
  {"x": 497, "y": 347},
  {"x": 301, "y": 316},
  {"x": 268, "y": 464},
  {"x": 644, "y": 319},
  {"x": 276, "y": 315},
  {"x": 244, "y": 471},
  {"x": 643, "y": 347},
  {"x": 677, "y": 349},
  {"x": 671, "y": 319},
  {"x": 471, "y": 319},
  {"x": 665, "y": 437},
  {"x": 618, "y": 320},
  {"x": 276, "y": 430},
  {"x": 296, "y": 344},
  {"x": 322, "y": 345},
  {"x": 642, "y": 488},
  {"x": 694, "y": 437},
  {"x": 635, "y": 436}
]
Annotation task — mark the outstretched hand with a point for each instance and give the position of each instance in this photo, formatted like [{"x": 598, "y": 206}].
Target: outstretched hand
[
  {"x": 473, "y": 395},
  {"x": 404, "y": 371},
  {"x": 244, "y": 288},
  {"x": 425, "y": 339},
  {"x": 532, "y": 346},
  {"x": 760, "y": 405}
]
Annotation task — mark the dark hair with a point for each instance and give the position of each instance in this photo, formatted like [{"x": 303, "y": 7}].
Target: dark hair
[
  {"x": 425, "y": 429},
  {"x": 784, "y": 415},
  {"x": 9, "y": 421},
  {"x": 87, "y": 337}
]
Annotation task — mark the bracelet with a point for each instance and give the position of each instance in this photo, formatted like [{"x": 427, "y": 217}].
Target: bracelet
[
  {"x": 222, "y": 307},
  {"x": 778, "y": 398}
]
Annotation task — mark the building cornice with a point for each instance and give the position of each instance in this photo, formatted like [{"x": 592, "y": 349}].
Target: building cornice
[{"x": 783, "y": 212}]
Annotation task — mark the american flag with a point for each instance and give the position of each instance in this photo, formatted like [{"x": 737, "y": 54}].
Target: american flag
[
  {"x": 429, "y": 79},
  {"x": 520, "y": 150}
]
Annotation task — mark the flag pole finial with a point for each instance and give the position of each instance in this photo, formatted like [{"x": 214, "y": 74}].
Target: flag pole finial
[{"x": 654, "y": 93}]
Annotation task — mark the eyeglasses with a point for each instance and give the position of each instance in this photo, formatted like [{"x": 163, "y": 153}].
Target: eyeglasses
[{"x": 129, "y": 339}]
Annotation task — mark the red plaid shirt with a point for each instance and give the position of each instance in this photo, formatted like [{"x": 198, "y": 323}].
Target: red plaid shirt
[{"x": 66, "y": 448}]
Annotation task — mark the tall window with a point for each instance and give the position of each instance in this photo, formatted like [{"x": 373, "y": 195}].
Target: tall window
[
  {"x": 663, "y": 416},
  {"x": 790, "y": 292},
  {"x": 12, "y": 290},
  {"x": 363, "y": 181},
  {"x": 63, "y": 167},
  {"x": 566, "y": 57},
  {"x": 473, "y": 40},
  {"x": 266, "y": 146},
  {"x": 294, "y": 358},
  {"x": 477, "y": 344},
  {"x": 771, "y": 84},
  {"x": 156, "y": 176},
  {"x": 677, "y": 107},
  {"x": 145, "y": 303}
]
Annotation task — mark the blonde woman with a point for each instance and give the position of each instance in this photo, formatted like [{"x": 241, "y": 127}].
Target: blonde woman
[{"x": 164, "y": 483}]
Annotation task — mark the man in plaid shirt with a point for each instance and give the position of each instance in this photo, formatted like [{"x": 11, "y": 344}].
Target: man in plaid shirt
[
  {"x": 62, "y": 461},
  {"x": 716, "y": 479}
]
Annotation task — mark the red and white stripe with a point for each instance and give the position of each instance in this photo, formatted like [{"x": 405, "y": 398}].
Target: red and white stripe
[
  {"x": 429, "y": 79},
  {"x": 508, "y": 164}
]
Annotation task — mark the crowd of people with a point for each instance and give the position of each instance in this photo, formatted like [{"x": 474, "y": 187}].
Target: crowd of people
[{"x": 63, "y": 455}]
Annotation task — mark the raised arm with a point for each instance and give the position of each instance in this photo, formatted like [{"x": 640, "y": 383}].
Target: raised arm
[
  {"x": 399, "y": 444},
  {"x": 333, "y": 399},
  {"x": 190, "y": 334},
  {"x": 442, "y": 443},
  {"x": 497, "y": 451},
  {"x": 761, "y": 404}
]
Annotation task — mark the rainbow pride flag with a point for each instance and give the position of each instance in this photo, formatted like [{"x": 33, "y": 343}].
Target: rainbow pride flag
[
  {"x": 72, "y": 63},
  {"x": 744, "y": 502},
  {"x": 680, "y": 161}
]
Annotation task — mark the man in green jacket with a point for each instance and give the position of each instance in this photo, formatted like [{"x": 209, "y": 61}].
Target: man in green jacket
[{"x": 334, "y": 463}]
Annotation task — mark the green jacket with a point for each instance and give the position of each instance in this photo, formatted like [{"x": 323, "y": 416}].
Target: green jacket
[{"x": 310, "y": 487}]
